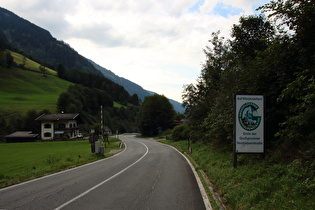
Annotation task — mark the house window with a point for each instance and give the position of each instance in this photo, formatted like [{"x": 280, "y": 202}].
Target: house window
[
  {"x": 47, "y": 134},
  {"x": 70, "y": 125},
  {"x": 62, "y": 126},
  {"x": 47, "y": 125}
]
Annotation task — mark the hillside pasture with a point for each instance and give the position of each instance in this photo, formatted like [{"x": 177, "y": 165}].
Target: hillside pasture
[
  {"x": 29, "y": 64},
  {"x": 22, "y": 90}
]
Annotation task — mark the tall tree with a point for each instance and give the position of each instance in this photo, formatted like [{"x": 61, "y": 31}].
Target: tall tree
[
  {"x": 156, "y": 113},
  {"x": 297, "y": 131},
  {"x": 200, "y": 99},
  {"x": 9, "y": 59},
  {"x": 134, "y": 99},
  {"x": 253, "y": 34},
  {"x": 61, "y": 70},
  {"x": 43, "y": 69}
]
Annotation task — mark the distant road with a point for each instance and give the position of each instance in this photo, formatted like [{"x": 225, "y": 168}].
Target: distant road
[{"x": 146, "y": 175}]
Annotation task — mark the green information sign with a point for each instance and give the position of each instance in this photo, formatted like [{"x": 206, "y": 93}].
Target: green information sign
[{"x": 249, "y": 124}]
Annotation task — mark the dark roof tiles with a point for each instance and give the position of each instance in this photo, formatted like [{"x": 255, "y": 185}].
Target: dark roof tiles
[
  {"x": 55, "y": 117},
  {"x": 22, "y": 134}
]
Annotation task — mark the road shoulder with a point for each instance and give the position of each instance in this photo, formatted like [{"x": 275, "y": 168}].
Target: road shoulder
[{"x": 199, "y": 182}]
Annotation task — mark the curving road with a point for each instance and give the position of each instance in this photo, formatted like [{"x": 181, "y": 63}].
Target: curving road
[{"x": 146, "y": 175}]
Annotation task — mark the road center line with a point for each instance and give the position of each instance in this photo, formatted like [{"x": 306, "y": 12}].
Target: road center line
[{"x": 103, "y": 182}]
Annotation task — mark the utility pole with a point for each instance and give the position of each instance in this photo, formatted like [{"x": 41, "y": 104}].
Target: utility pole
[{"x": 101, "y": 120}]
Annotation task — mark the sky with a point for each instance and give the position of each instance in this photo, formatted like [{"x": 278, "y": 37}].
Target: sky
[{"x": 157, "y": 44}]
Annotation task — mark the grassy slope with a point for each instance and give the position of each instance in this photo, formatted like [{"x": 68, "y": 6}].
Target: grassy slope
[
  {"x": 118, "y": 105},
  {"x": 23, "y": 90},
  {"x": 30, "y": 64},
  {"x": 256, "y": 183}
]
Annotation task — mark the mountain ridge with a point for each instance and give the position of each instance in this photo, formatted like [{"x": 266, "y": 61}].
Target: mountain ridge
[
  {"x": 38, "y": 43},
  {"x": 41, "y": 45},
  {"x": 133, "y": 88}
]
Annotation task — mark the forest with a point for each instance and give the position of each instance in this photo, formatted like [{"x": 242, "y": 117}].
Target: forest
[
  {"x": 270, "y": 54},
  {"x": 88, "y": 101}
]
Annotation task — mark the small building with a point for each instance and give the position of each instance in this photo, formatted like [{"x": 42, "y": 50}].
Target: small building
[
  {"x": 21, "y": 136},
  {"x": 58, "y": 126},
  {"x": 180, "y": 122}
]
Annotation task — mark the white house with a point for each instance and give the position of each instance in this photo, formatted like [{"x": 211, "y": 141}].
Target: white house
[{"x": 57, "y": 126}]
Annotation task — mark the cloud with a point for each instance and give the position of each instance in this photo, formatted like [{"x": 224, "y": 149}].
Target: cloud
[
  {"x": 246, "y": 5},
  {"x": 46, "y": 14},
  {"x": 152, "y": 43},
  {"x": 208, "y": 6}
]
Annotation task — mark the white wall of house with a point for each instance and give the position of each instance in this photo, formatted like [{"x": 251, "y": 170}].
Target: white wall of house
[
  {"x": 50, "y": 127},
  {"x": 47, "y": 130}
]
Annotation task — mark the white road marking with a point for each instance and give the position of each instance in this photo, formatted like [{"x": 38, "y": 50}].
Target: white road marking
[
  {"x": 103, "y": 182},
  {"x": 201, "y": 188}
]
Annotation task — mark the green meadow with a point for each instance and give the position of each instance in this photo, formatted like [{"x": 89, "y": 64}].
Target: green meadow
[
  {"x": 27, "y": 89},
  {"x": 24, "y": 161},
  {"x": 29, "y": 64},
  {"x": 118, "y": 105},
  {"x": 23, "y": 90}
]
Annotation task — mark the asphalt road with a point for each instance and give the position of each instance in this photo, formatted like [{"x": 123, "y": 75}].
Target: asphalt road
[{"x": 146, "y": 175}]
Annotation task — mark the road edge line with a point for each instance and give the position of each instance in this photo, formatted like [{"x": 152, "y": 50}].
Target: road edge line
[
  {"x": 201, "y": 187},
  {"x": 103, "y": 182}
]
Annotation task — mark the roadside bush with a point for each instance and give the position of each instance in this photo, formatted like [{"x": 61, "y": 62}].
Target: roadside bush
[{"x": 180, "y": 132}]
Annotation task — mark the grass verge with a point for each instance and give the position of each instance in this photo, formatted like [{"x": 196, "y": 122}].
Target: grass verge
[
  {"x": 20, "y": 162},
  {"x": 257, "y": 183}
]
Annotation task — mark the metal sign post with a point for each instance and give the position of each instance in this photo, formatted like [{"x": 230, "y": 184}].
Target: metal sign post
[{"x": 248, "y": 125}]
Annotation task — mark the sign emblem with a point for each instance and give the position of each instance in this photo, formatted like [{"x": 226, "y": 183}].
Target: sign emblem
[{"x": 248, "y": 116}]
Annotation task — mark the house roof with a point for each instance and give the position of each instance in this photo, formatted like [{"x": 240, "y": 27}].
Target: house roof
[
  {"x": 22, "y": 134},
  {"x": 56, "y": 117}
]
